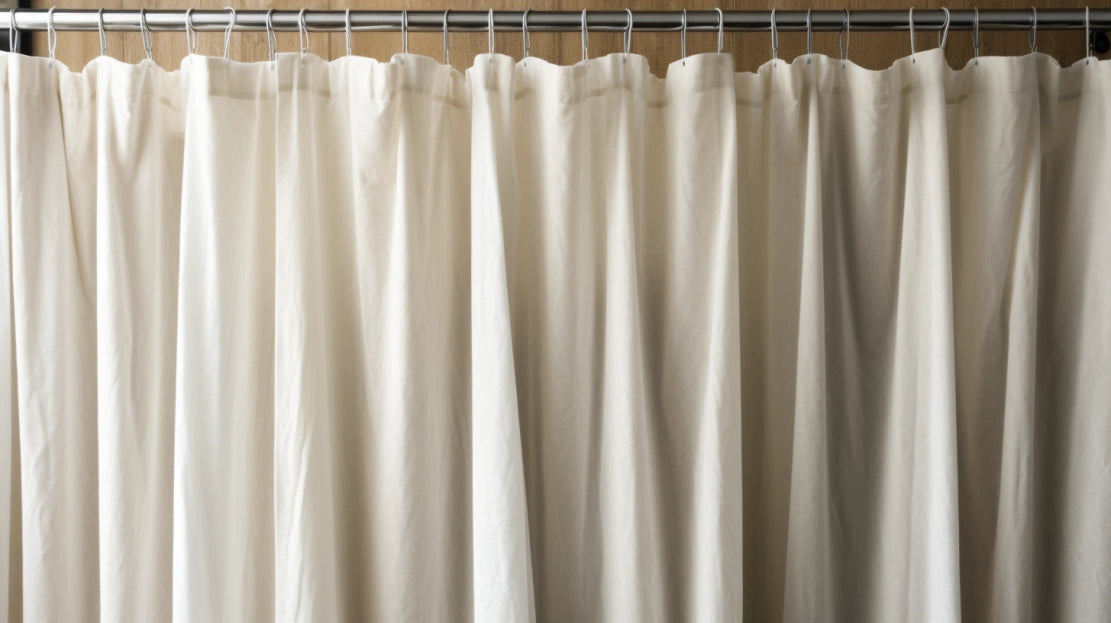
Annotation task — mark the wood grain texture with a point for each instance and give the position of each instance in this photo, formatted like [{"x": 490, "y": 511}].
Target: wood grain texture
[{"x": 870, "y": 49}]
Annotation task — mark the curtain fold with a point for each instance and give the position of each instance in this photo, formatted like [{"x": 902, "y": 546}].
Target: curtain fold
[{"x": 313, "y": 340}]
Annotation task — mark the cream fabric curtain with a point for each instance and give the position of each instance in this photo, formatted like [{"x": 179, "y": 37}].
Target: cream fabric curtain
[{"x": 385, "y": 341}]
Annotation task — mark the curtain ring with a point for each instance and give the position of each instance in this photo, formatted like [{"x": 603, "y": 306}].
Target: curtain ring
[
  {"x": 627, "y": 36},
  {"x": 809, "y": 37},
  {"x": 13, "y": 32},
  {"x": 976, "y": 34},
  {"x": 447, "y": 50},
  {"x": 303, "y": 32},
  {"x": 910, "y": 24},
  {"x": 190, "y": 34},
  {"x": 843, "y": 37},
  {"x": 1032, "y": 34},
  {"x": 1087, "y": 38},
  {"x": 490, "y": 30},
  {"x": 586, "y": 38},
  {"x": 943, "y": 35},
  {"x": 232, "y": 19},
  {"x": 775, "y": 37},
  {"x": 51, "y": 34},
  {"x": 148, "y": 38},
  {"x": 100, "y": 31},
  {"x": 271, "y": 36},
  {"x": 721, "y": 30},
  {"x": 525, "y": 43},
  {"x": 347, "y": 30}
]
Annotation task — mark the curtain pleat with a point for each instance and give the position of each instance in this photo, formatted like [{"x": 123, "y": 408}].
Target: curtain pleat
[{"x": 386, "y": 341}]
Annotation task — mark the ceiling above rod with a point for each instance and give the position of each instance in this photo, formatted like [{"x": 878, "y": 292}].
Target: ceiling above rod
[{"x": 556, "y": 21}]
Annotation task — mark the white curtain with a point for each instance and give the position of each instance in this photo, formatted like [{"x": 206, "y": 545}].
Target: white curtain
[{"x": 385, "y": 341}]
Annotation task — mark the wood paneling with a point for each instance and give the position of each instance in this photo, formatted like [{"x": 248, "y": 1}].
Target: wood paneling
[{"x": 870, "y": 49}]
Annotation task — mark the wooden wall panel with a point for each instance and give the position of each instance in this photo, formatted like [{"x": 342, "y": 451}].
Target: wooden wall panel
[{"x": 870, "y": 49}]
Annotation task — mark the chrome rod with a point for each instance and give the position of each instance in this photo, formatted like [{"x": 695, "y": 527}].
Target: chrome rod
[{"x": 559, "y": 21}]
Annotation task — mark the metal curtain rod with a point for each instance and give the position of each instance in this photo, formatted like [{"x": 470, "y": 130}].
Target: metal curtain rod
[{"x": 560, "y": 21}]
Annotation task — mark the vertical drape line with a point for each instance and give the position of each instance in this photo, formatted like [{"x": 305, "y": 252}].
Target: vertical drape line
[
  {"x": 1012, "y": 599},
  {"x": 223, "y": 479},
  {"x": 809, "y": 572},
  {"x": 927, "y": 357},
  {"x": 53, "y": 282},
  {"x": 306, "y": 569},
  {"x": 630, "y": 465},
  {"x": 503, "y": 583},
  {"x": 714, "y": 592},
  {"x": 9, "y": 487},
  {"x": 136, "y": 257}
]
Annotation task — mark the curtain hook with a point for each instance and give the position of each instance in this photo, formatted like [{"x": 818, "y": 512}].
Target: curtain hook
[
  {"x": 404, "y": 31},
  {"x": 843, "y": 37},
  {"x": 721, "y": 30},
  {"x": 347, "y": 30},
  {"x": 232, "y": 19},
  {"x": 190, "y": 34},
  {"x": 775, "y": 37},
  {"x": 1087, "y": 39},
  {"x": 628, "y": 35},
  {"x": 100, "y": 31},
  {"x": 271, "y": 36},
  {"x": 910, "y": 24},
  {"x": 144, "y": 32},
  {"x": 525, "y": 43},
  {"x": 13, "y": 32},
  {"x": 303, "y": 32},
  {"x": 1032, "y": 34},
  {"x": 490, "y": 31},
  {"x": 976, "y": 34},
  {"x": 809, "y": 37},
  {"x": 683, "y": 39},
  {"x": 447, "y": 50},
  {"x": 586, "y": 38},
  {"x": 943, "y": 34},
  {"x": 51, "y": 34}
]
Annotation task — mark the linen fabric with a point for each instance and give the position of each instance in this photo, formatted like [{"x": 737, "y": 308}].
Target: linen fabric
[{"x": 385, "y": 341}]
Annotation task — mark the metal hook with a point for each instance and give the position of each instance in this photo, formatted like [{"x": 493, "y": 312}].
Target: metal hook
[
  {"x": 447, "y": 50},
  {"x": 586, "y": 38},
  {"x": 943, "y": 34},
  {"x": 404, "y": 31},
  {"x": 1087, "y": 39},
  {"x": 627, "y": 36},
  {"x": 51, "y": 34},
  {"x": 721, "y": 30},
  {"x": 271, "y": 36},
  {"x": 976, "y": 34},
  {"x": 1032, "y": 34},
  {"x": 303, "y": 32},
  {"x": 775, "y": 38},
  {"x": 227, "y": 32},
  {"x": 490, "y": 27},
  {"x": 100, "y": 30},
  {"x": 525, "y": 43},
  {"x": 809, "y": 37},
  {"x": 13, "y": 32},
  {"x": 144, "y": 32},
  {"x": 347, "y": 30},
  {"x": 683, "y": 39},
  {"x": 843, "y": 37},
  {"x": 910, "y": 24},
  {"x": 190, "y": 34}
]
